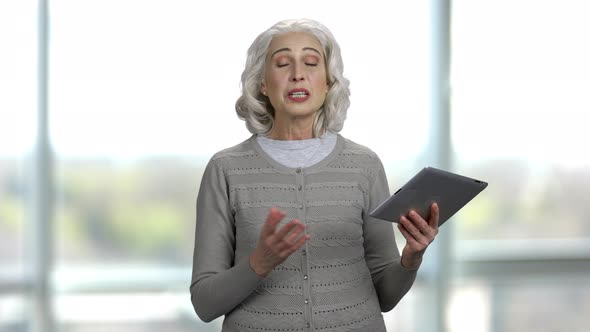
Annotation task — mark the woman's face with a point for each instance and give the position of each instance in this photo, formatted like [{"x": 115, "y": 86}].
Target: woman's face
[{"x": 295, "y": 75}]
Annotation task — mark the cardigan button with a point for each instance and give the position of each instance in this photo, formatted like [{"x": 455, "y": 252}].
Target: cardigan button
[{"x": 298, "y": 170}]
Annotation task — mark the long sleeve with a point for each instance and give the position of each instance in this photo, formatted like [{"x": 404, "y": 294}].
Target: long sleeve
[
  {"x": 391, "y": 280},
  {"x": 218, "y": 285}
]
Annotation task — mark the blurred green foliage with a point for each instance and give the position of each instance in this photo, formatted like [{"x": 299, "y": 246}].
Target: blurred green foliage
[
  {"x": 11, "y": 213},
  {"x": 144, "y": 212},
  {"x": 140, "y": 212}
]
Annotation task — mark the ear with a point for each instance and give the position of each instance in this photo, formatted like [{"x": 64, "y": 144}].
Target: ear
[{"x": 263, "y": 88}]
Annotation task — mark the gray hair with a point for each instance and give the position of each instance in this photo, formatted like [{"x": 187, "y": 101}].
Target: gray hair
[{"x": 255, "y": 108}]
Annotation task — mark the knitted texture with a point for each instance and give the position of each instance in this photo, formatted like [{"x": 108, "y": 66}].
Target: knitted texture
[{"x": 340, "y": 280}]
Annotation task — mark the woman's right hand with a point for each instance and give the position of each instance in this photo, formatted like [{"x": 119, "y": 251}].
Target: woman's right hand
[{"x": 275, "y": 246}]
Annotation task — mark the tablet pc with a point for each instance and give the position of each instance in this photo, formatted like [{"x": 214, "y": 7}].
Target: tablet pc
[{"x": 449, "y": 190}]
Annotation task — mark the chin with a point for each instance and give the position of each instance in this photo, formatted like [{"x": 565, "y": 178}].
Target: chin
[
  {"x": 302, "y": 114},
  {"x": 301, "y": 110}
]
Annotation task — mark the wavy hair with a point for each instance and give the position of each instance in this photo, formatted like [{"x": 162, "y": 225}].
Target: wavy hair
[{"x": 255, "y": 108}]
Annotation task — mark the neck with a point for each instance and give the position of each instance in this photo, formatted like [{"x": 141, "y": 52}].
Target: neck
[{"x": 290, "y": 129}]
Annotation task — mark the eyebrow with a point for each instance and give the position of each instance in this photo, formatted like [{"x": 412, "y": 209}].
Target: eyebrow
[{"x": 288, "y": 49}]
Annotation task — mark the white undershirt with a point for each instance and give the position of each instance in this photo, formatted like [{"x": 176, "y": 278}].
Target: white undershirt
[{"x": 299, "y": 153}]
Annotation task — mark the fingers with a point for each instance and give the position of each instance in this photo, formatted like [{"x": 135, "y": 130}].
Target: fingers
[
  {"x": 286, "y": 239},
  {"x": 419, "y": 229},
  {"x": 434, "y": 216},
  {"x": 274, "y": 246},
  {"x": 272, "y": 220},
  {"x": 295, "y": 242},
  {"x": 409, "y": 237},
  {"x": 418, "y": 234},
  {"x": 288, "y": 234},
  {"x": 293, "y": 236},
  {"x": 413, "y": 231},
  {"x": 288, "y": 228}
]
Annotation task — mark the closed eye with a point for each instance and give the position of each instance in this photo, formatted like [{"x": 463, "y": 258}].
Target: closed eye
[{"x": 312, "y": 64}]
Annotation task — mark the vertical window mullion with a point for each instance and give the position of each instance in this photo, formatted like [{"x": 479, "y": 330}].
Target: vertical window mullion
[
  {"x": 436, "y": 270},
  {"x": 40, "y": 234}
]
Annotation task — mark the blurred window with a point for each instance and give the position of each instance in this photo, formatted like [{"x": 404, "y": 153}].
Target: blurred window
[
  {"x": 18, "y": 109},
  {"x": 153, "y": 311},
  {"x": 13, "y": 309},
  {"x": 520, "y": 77},
  {"x": 535, "y": 303}
]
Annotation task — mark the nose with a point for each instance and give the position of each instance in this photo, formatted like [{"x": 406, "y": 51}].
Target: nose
[{"x": 297, "y": 74}]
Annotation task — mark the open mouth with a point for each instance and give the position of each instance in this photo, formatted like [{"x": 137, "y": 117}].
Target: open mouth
[{"x": 298, "y": 94}]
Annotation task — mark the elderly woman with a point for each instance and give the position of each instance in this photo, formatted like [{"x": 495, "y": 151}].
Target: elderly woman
[{"x": 284, "y": 240}]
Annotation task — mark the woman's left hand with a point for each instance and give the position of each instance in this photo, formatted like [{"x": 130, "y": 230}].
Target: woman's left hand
[{"x": 419, "y": 234}]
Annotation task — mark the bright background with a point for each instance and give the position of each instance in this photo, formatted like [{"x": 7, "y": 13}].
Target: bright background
[{"x": 100, "y": 163}]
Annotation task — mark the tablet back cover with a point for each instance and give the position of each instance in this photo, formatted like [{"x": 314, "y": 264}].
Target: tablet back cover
[{"x": 449, "y": 190}]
